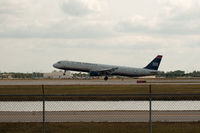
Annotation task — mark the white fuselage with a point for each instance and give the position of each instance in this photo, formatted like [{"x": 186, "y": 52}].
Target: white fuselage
[{"x": 90, "y": 67}]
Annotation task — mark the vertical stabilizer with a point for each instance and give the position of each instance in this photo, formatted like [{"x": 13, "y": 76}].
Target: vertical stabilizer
[{"x": 154, "y": 64}]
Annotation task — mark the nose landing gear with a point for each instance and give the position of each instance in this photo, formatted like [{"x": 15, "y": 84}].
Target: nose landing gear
[{"x": 64, "y": 73}]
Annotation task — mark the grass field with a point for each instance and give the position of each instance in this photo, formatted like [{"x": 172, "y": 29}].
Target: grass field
[
  {"x": 98, "y": 89},
  {"x": 101, "y": 89},
  {"x": 100, "y": 127}
]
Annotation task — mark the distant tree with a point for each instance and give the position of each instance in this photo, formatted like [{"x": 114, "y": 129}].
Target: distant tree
[
  {"x": 26, "y": 75},
  {"x": 193, "y": 74}
]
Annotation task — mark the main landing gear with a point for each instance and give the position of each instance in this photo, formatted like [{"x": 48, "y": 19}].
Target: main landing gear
[
  {"x": 106, "y": 78},
  {"x": 64, "y": 73}
]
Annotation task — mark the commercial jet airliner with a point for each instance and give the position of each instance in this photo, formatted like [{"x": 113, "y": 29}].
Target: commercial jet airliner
[{"x": 109, "y": 70}]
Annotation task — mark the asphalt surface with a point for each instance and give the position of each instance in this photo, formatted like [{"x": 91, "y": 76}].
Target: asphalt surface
[
  {"x": 101, "y": 116},
  {"x": 96, "y": 82}
]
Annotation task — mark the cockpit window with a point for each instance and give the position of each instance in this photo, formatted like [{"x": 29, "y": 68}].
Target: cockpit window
[{"x": 59, "y": 62}]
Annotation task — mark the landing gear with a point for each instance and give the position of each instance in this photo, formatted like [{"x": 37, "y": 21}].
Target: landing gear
[
  {"x": 64, "y": 73},
  {"x": 106, "y": 78}
]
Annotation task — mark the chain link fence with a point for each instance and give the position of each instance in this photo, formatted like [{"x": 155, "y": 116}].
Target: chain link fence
[{"x": 91, "y": 113}]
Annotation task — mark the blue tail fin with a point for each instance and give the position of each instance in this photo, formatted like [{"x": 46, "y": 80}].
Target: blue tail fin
[{"x": 154, "y": 64}]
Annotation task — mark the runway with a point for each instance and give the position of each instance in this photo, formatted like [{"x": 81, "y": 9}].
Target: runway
[
  {"x": 99, "y": 82},
  {"x": 101, "y": 116},
  {"x": 59, "y": 106}
]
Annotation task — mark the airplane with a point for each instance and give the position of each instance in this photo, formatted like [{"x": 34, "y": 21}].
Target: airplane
[{"x": 110, "y": 70}]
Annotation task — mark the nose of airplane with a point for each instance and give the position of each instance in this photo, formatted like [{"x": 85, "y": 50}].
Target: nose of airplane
[{"x": 55, "y": 65}]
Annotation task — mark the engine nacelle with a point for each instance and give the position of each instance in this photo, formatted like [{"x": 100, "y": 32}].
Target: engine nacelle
[{"x": 94, "y": 73}]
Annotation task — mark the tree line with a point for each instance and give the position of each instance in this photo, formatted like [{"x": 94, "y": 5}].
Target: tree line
[
  {"x": 37, "y": 75},
  {"x": 34, "y": 75},
  {"x": 178, "y": 73}
]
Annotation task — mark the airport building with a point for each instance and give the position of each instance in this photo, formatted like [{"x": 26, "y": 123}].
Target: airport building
[
  {"x": 57, "y": 75},
  {"x": 5, "y": 76}
]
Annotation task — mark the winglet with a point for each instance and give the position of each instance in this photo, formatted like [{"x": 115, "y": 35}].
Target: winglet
[{"x": 154, "y": 64}]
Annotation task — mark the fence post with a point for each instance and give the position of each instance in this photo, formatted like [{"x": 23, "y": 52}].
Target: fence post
[
  {"x": 43, "y": 113},
  {"x": 150, "y": 109}
]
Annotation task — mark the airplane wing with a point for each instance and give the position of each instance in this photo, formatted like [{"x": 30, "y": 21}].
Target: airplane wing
[
  {"x": 104, "y": 71},
  {"x": 107, "y": 71}
]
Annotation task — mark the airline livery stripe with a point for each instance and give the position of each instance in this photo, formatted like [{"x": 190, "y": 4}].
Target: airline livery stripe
[{"x": 159, "y": 56}]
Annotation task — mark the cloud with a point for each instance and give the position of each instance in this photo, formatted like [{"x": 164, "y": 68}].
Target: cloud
[
  {"x": 62, "y": 29},
  {"x": 81, "y": 7},
  {"x": 137, "y": 24},
  {"x": 11, "y": 7},
  {"x": 36, "y": 19},
  {"x": 178, "y": 17},
  {"x": 83, "y": 19}
]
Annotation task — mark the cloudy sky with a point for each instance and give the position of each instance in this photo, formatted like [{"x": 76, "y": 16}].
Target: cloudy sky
[{"x": 34, "y": 34}]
